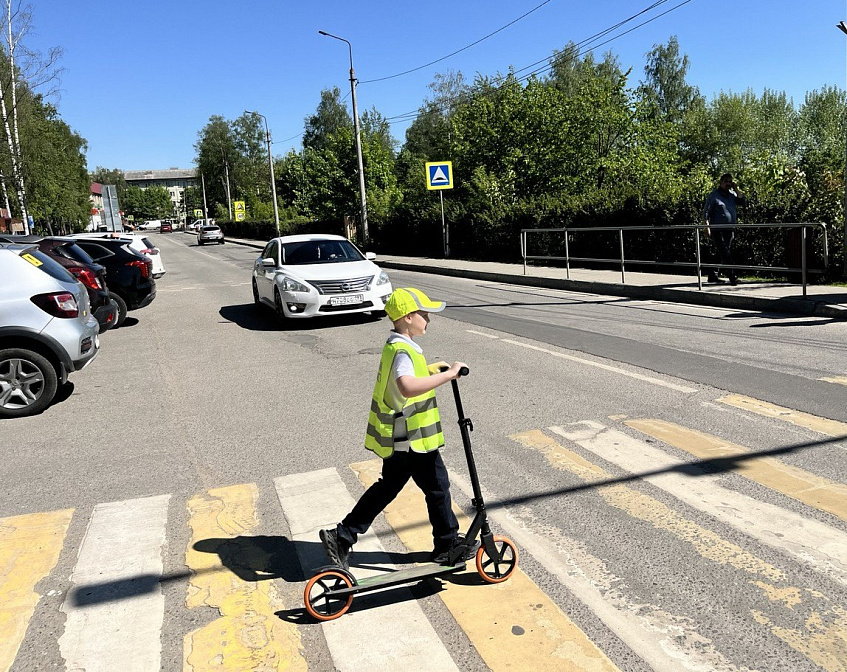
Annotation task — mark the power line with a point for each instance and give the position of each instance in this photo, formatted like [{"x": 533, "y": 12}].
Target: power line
[
  {"x": 458, "y": 51},
  {"x": 569, "y": 53}
]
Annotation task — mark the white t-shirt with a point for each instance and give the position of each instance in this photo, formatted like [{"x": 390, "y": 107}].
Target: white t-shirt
[{"x": 401, "y": 366}]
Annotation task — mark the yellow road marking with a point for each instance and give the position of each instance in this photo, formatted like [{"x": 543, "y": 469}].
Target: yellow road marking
[
  {"x": 248, "y": 635},
  {"x": 513, "y": 625},
  {"x": 823, "y": 642},
  {"x": 824, "y": 638},
  {"x": 794, "y": 482},
  {"x": 650, "y": 510},
  {"x": 29, "y": 550},
  {"x": 838, "y": 380},
  {"x": 799, "y": 418}
]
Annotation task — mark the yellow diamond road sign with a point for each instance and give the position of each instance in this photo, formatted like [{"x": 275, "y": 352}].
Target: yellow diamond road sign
[{"x": 439, "y": 175}]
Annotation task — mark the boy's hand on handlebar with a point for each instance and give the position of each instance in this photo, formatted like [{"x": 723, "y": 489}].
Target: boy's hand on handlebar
[{"x": 454, "y": 370}]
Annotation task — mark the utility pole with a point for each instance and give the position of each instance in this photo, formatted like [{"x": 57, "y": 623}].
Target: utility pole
[
  {"x": 271, "y": 162},
  {"x": 362, "y": 197},
  {"x": 205, "y": 207}
]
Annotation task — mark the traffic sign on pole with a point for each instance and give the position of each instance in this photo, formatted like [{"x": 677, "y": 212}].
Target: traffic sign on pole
[{"x": 439, "y": 175}]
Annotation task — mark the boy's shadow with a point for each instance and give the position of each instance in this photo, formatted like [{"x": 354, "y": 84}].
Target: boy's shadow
[{"x": 261, "y": 558}]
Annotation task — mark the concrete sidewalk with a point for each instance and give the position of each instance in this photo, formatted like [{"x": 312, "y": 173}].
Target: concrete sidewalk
[{"x": 775, "y": 297}]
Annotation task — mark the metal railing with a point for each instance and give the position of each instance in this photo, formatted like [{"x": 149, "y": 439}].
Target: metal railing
[{"x": 698, "y": 264}]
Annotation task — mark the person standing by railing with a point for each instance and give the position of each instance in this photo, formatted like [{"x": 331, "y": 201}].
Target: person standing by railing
[{"x": 721, "y": 211}]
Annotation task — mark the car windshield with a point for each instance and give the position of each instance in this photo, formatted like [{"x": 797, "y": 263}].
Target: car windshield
[{"x": 319, "y": 252}]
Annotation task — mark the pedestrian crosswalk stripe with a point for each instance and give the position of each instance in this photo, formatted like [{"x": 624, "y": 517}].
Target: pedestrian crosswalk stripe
[
  {"x": 807, "y": 420},
  {"x": 667, "y": 642},
  {"x": 650, "y": 510},
  {"x": 248, "y": 635},
  {"x": 364, "y": 639},
  {"x": 810, "y": 541},
  {"x": 489, "y": 615},
  {"x": 115, "y": 607},
  {"x": 29, "y": 549},
  {"x": 816, "y": 491},
  {"x": 821, "y": 639}
]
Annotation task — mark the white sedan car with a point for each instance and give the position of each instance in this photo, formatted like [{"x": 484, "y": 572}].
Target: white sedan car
[{"x": 309, "y": 275}]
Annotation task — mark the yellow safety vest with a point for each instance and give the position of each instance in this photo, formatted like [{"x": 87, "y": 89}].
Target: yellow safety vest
[{"x": 422, "y": 420}]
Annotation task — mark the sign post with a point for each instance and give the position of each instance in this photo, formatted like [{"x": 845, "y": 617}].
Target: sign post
[{"x": 439, "y": 176}]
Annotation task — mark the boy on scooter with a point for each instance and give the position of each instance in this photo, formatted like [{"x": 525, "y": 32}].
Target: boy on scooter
[{"x": 404, "y": 429}]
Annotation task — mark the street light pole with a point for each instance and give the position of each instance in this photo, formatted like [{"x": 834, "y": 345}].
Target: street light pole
[
  {"x": 362, "y": 197},
  {"x": 271, "y": 163}
]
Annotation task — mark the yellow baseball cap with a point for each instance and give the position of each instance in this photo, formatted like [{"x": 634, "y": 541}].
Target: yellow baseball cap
[{"x": 407, "y": 300}]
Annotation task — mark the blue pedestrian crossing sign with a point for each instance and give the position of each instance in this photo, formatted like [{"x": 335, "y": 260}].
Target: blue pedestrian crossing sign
[{"x": 439, "y": 175}]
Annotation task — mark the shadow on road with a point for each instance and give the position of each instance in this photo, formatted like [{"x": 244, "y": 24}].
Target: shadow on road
[
  {"x": 264, "y": 558},
  {"x": 262, "y": 318}
]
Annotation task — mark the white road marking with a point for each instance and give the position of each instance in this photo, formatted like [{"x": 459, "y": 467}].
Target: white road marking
[
  {"x": 606, "y": 367},
  {"x": 116, "y": 607},
  {"x": 479, "y": 333},
  {"x": 665, "y": 641},
  {"x": 821, "y": 546},
  {"x": 367, "y": 639}
]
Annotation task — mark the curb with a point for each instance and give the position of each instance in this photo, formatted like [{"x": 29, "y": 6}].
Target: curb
[{"x": 803, "y": 307}]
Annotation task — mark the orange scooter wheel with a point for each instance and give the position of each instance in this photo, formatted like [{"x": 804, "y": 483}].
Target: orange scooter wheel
[
  {"x": 501, "y": 567},
  {"x": 325, "y": 607}
]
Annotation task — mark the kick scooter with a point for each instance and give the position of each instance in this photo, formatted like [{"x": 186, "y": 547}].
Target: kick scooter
[{"x": 329, "y": 593}]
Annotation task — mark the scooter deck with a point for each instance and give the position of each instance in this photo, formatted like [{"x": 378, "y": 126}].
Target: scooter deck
[{"x": 398, "y": 577}]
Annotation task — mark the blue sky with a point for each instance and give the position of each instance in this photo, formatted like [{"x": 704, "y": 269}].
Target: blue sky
[{"x": 141, "y": 79}]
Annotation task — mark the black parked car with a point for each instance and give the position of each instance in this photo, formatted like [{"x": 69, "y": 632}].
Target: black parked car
[
  {"x": 79, "y": 264},
  {"x": 129, "y": 274}
]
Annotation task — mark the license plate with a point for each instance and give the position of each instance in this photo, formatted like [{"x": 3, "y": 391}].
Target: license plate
[{"x": 350, "y": 300}]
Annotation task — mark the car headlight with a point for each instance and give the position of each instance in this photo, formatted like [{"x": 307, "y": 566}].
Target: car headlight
[
  {"x": 291, "y": 285},
  {"x": 382, "y": 279}
]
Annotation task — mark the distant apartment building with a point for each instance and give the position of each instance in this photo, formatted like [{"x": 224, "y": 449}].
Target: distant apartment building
[{"x": 175, "y": 180}]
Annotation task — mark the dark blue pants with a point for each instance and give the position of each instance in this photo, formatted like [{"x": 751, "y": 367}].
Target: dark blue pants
[
  {"x": 722, "y": 238},
  {"x": 428, "y": 472}
]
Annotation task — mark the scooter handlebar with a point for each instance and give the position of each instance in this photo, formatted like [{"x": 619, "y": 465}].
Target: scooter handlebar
[{"x": 463, "y": 371}]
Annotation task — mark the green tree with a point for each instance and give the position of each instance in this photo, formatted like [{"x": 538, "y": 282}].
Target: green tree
[
  {"x": 664, "y": 87},
  {"x": 217, "y": 155}
]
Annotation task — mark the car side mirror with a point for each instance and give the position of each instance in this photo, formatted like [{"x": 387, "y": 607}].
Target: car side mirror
[
  {"x": 370, "y": 256},
  {"x": 268, "y": 262}
]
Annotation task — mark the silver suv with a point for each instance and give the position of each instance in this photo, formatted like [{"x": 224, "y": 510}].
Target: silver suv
[{"x": 47, "y": 330}]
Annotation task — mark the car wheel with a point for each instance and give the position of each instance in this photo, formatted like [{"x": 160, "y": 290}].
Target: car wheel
[
  {"x": 122, "y": 309},
  {"x": 256, "y": 299},
  {"x": 280, "y": 311},
  {"x": 27, "y": 383},
  {"x": 222, "y": 242}
]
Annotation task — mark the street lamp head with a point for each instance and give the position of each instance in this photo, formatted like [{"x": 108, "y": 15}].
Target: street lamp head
[
  {"x": 841, "y": 26},
  {"x": 321, "y": 32}
]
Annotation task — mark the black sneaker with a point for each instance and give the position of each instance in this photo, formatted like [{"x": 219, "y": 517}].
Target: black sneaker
[
  {"x": 336, "y": 549},
  {"x": 715, "y": 280},
  {"x": 442, "y": 556}
]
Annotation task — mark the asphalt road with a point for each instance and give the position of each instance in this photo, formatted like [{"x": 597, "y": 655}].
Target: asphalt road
[{"x": 700, "y": 564}]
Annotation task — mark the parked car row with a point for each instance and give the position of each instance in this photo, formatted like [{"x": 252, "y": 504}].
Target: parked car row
[{"x": 57, "y": 295}]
